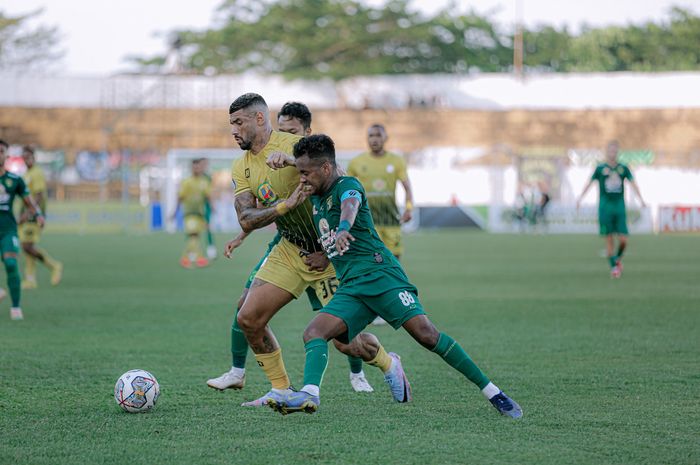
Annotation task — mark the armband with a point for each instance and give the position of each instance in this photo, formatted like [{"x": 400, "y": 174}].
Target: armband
[{"x": 282, "y": 208}]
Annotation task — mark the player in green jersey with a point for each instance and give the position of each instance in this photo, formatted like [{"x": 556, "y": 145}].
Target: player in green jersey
[
  {"x": 293, "y": 118},
  {"x": 372, "y": 282},
  {"x": 612, "y": 217},
  {"x": 12, "y": 186}
]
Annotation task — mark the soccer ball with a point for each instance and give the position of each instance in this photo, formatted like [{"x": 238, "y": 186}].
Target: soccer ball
[{"x": 136, "y": 391}]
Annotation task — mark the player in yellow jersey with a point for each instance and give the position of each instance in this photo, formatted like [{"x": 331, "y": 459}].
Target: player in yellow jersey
[
  {"x": 378, "y": 171},
  {"x": 30, "y": 230},
  {"x": 193, "y": 197},
  {"x": 293, "y": 118},
  {"x": 265, "y": 175}
]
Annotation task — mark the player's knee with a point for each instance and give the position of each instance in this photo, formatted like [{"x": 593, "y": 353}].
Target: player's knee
[
  {"x": 424, "y": 332},
  {"x": 11, "y": 264},
  {"x": 248, "y": 322},
  {"x": 343, "y": 348},
  {"x": 315, "y": 332}
]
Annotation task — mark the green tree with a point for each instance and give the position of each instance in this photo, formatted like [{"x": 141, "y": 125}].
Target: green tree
[{"x": 23, "y": 47}]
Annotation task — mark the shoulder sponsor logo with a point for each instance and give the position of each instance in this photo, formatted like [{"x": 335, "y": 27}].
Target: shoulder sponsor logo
[{"x": 390, "y": 168}]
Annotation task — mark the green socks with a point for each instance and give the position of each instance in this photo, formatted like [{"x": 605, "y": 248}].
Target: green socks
[
  {"x": 316, "y": 361},
  {"x": 452, "y": 353},
  {"x": 355, "y": 364},
  {"x": 613, "y": 261},
  {"x": 239, "y": 344},
  {"x": 13, "y": 280}
]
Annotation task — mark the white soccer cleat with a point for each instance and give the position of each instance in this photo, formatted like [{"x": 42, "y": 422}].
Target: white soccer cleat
[
  {"x": 359, "y": 383},
  {"x": 379, "y": 321},
  {"x": 228, "y": 380},
  {"x": 16, "y": 314},
  {"x": 211, "y": 252}
]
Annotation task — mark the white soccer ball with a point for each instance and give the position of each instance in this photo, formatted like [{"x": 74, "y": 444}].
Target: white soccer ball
[{"x": 136, "y": 391}]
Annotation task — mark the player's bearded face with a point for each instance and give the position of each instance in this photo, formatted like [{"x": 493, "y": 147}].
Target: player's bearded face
[{"x": 243, "y": 128}]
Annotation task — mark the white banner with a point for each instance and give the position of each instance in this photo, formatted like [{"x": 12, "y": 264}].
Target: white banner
[{"x": 559, "y": 218}]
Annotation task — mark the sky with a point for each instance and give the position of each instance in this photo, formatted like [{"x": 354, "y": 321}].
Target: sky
[{"x": 98, "y": 34}]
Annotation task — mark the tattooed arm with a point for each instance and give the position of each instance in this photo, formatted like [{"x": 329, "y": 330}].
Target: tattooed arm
[{"x": 251, "y": 218}]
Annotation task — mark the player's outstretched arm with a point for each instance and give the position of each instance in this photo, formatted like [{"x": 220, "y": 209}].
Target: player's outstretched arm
[
  {"x": 408, "y": 212},
  {"x": 34, "y": 209},
  {"x": 583, "y": 194},
  {"x": 636, "y": 191},
  {"x": 234, "y": 243},
  {"x": 251, "y": 218},
  {"x": 348, "y": 212}
]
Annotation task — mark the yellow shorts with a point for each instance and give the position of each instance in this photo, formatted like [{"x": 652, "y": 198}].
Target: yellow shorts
[
  {"x": 284, "y": 267},
  {"x": 391, "y": 236},
  {"x": 194, "y": 224},
  {"x": 29, "y": 232}
]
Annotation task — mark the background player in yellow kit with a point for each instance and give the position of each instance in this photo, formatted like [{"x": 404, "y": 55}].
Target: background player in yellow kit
[
  {"x": 193, "y": 197},
  {"x": 378, "y": 171},
  {"x": 30, "y": 231}
]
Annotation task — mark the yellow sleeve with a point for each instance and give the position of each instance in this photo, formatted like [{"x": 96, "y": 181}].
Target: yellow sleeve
[
  {"x": 352, "y": 167},
  {"x": 401, "y": 172},
  {"x": 184, "y": 188},
  {"x": 240, "y": 182},
  {"x": 40, "y": 182}
]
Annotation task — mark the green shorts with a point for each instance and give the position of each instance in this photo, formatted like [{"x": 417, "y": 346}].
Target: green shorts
[
  {"x": 9, "y": 243},
  {"x": 310, "y": 293},
  {"x": 386, "y": 293},
  {"x": 612, "y": 219}
]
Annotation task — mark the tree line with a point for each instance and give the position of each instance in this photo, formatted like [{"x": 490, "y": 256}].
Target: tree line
[{"x": 338, "y": 39}]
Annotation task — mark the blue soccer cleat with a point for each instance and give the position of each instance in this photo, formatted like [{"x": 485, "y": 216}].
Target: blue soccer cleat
[
  {"x": 397, "y": 381},
  {"x": 264, "y": 400},
  {"x": 294, "y": 402},
  {"x": 506, "y": 406}
]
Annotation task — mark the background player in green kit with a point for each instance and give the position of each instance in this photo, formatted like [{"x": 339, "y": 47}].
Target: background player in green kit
[
  {"x": 372, "y": 282},
  {"x": 293, "y": 118},
  {"x": 612, "y": 217},
  {"x": 12, "y": 186}
]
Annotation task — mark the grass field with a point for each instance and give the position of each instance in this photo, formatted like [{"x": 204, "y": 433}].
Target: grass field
[{"x": 606, "y": 371}]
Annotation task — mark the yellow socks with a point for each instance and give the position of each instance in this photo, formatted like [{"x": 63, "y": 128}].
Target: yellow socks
[
  {"x": 192, "y": 250},
  {"x": 273, "y": 366},
  {"x": 382, "y": 360},
  {"x": 29, "y": 268}
]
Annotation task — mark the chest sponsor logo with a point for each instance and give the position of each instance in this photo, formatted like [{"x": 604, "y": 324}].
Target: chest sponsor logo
[
  {"x": 247, "y": 172},
  {"x": 379, "y": 184},
  {"x": 314, "y": 210},
  {"x": 266, "y": 195},
  {"x": 329, "y": 203},
  {"x": 4, "y": 196},
  {"x": 389, "y": 168}
]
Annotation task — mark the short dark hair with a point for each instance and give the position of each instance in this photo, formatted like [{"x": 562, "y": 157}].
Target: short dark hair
[
  {"x": 4, "y": 144},
  {"x": 378, "y": 126},
  {"x": 297, "y": 110},
  {"x": 316, "y": 147},
  {"x": 28, "y": 148},
  {"x": 247, "y": 100}
]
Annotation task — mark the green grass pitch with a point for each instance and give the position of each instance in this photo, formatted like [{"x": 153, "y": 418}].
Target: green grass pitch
[{"x": 607, "y": 371}]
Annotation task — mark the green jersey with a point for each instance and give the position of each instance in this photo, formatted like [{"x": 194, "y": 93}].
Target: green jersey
[
  {"x": 11, "y": 186},
  {"x": 611, "y": 181},
  {"x": 367, "y": 253}
]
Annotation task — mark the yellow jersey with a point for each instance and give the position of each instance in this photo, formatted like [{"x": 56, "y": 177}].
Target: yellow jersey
[
  {"x": 378, "y": 175},
  {"x": 36, "y": 182},
  {"x": 194, "y": 192},
  {"x": 251, "y": 174}
]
